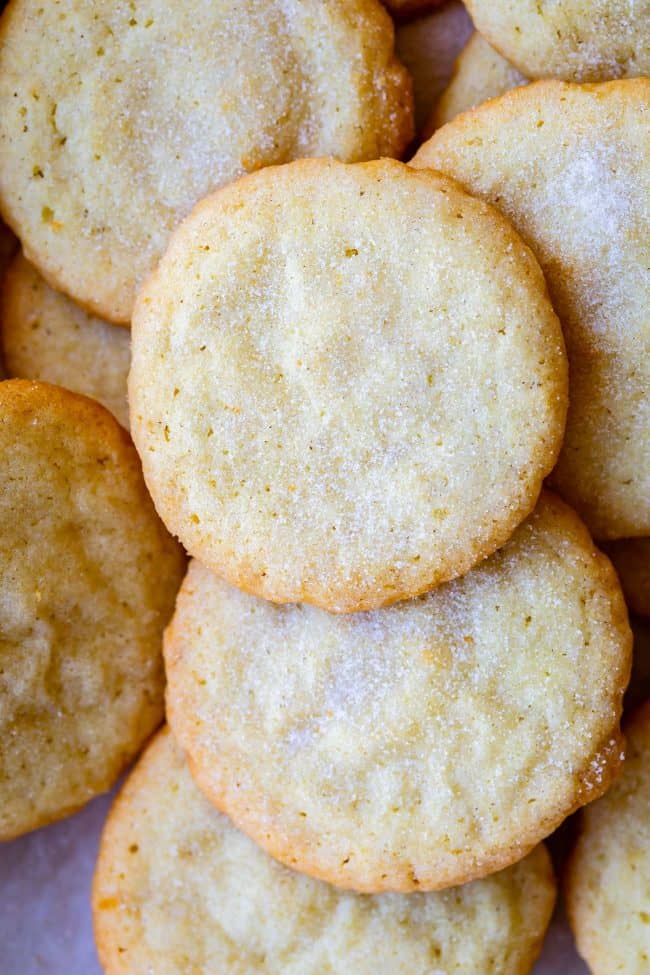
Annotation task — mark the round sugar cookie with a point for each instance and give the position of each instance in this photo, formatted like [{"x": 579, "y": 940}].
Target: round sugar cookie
[
  {"x": 608, "y": 876},
  {"x": 347, "y": 383},
  {"x": 88, "y": 577},
  {"x": 113, "y": 129},
  {"x": 178, "y": 889},
  {"x": 569, "y": 166},
  {"x": 480, "y": 74},
  {"x": 47, "y": 336},
  {"x": 418, "y": 746},
  {"x": 573, "y": 40},
  {"x": 631, "y": 558}
]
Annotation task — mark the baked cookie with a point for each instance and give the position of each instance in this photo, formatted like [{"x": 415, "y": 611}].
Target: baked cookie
[
  {"x": 174, "y": 100},
  {"x": 569, "y": 165},
  {"x": 419, "y": 746},
  {"x": 480, "y": 74},
  {"x": 179, "y": 889},
  {"x": 631, "y": 558},
  {"x": 607, "y": 886},
  {"x": 46, "y": 336},
  {"x": 574, "y": 40},
  {"x": 347, "y": 383},
  {"x": 88, "y": 577}
]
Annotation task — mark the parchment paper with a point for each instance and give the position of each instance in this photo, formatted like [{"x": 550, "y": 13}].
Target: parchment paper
[{"x": 45, "y": 878}]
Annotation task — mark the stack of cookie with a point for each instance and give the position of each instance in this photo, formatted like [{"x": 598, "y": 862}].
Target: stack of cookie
[{"x": 397, "y": 660}]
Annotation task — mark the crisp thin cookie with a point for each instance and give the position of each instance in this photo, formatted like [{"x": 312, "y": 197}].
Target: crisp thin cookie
[
  {"x": 573, "y": 40},
  {"x": 607, "y": 882},
  {"x": 569, "y": 165},
  {"x": 419, "y": 746},
  {"x": 178, "y": 889},
  {"x": 47, "y": 336},
  {"x": 480, "y": 74},
  {"x": 88, "y": 577},
  {"x": 347, "y": 383},
  {"x": 112, "y": 130}
]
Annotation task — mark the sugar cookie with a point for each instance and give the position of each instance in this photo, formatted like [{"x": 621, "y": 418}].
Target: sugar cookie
[
  {"x": 129, "y": 114},
  {"x": 631, "y": 558},
  {"x": 569, "y": 165},
  {"x": 179, "y": 889},
  {"x": 419, "y": 746},
  {"x": 88, "y": 577},
  {"x": 480, "y": 73},
  {"x": 608, "y": 888},
  {"x": 574, "y": 40},
  {"x": 46, "y": 336},
  {"x": 347, "y": 382}
]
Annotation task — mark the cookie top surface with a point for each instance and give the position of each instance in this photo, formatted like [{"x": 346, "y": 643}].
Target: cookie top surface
[
  {"x": 631, "y": 558},
  {"x": 574, "y": 40},
  {"x": 178, "y": 888},
  {"x": 347, "y": 382},
  {"x": 480, "y": 73},
  {"x": 176, "y": 99},
  {"x": 47, "y": 336},
  {"x": 418, "y": 746},
  {"x": 607, "y": 892},
  {"x": 88, "y": 577},
  {"x": 569, "y": 165}
]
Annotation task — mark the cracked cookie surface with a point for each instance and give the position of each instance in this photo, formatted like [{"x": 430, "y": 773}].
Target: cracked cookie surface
[
  {"x": 417, "y": 746},
  {"x": 88, "y": 577}
]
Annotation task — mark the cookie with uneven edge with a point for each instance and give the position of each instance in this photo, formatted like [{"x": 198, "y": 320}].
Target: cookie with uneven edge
[
  {"x": 177, "y": 889},
  {"x": 323, "y": 418},
  {"x": 607, "y": 881},
  {"x": 569, "y": 166},
  {"x": 111, "y": 131},
  {"x": 575, "y": 40},
  {"x": 418, "y": 746},
  {"x": 480, "y": 74},
  {"x": 631, "y": 558},
  {"x": 88, "y": 577},
  {"x": 46, "y": 336}
]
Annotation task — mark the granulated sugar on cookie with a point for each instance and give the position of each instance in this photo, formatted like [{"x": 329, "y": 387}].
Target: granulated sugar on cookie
[
  {"x": 574, "y": 40},
  {"x": 46, "y": 336},
  {"x": 347, "y": 383},
  {"x": 88, "y": 577},
  {"x": 113, "y": 128},
  {"x": 607, "y": 890},
  {"x": 179, "y": 889},
  {"x": 418, "y": 746},
  {"x": 569, "y": 166}
]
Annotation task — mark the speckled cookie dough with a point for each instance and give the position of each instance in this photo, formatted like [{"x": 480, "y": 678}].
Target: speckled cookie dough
[
  {"x": 130, "y": 113},
  {"x": 46, "y": 336},
  {"x": 574, "y": 40},
  {"x": 419, "y": 746},
  {"x": 569, "y": 165},
  {"x": 347, "y": 383},
  {"x": 608, "y": 879},
  {"x": 88, "y": 577},
  {"x": 179, "y": 889}
]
